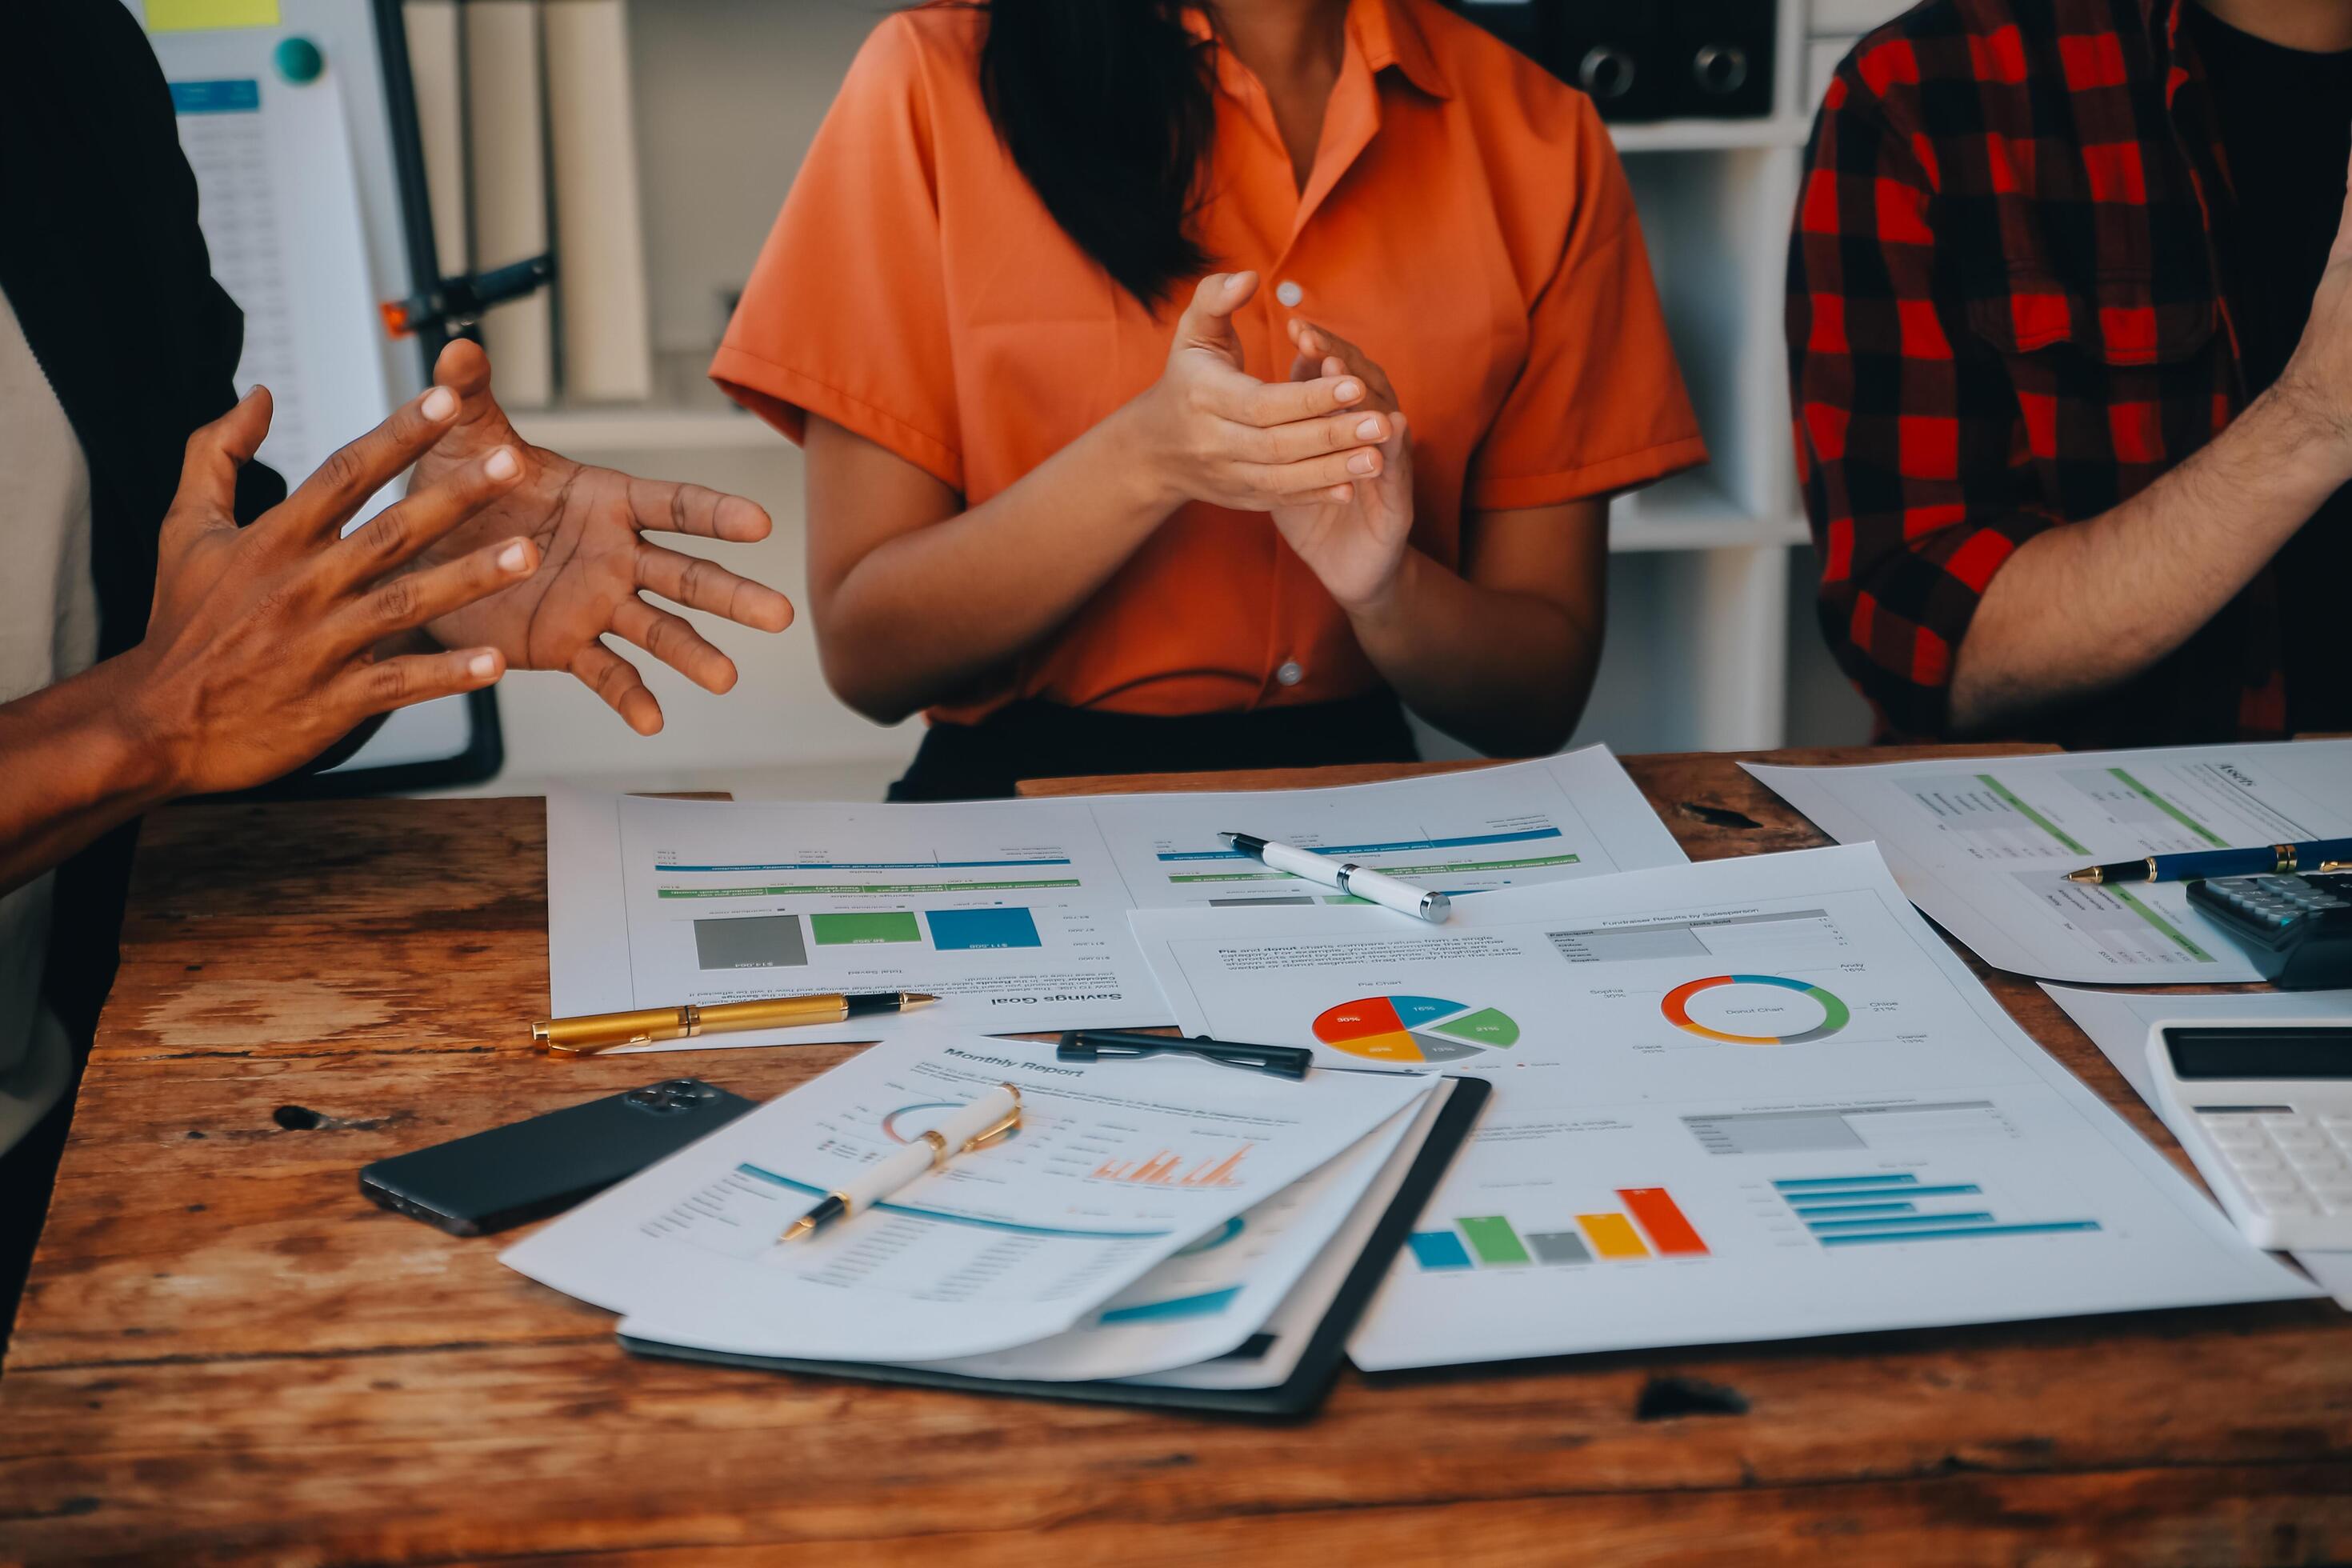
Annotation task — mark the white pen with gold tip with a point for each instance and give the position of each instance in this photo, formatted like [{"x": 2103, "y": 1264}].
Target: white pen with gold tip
[{"x": 988, "y": 1120}]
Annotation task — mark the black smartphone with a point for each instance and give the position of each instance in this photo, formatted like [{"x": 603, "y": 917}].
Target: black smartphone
[{"x": 526, "y": 1171}]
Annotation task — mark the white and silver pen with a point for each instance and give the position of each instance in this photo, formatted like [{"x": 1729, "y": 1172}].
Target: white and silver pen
[
  {"x": 992, "y": 1116},
  {"x": 1362, "y": 881}
]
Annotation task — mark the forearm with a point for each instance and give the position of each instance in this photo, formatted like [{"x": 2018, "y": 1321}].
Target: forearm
[
  {"x": 928, "y": 613},
  {"x": 73, "y": 764},
  {"x": 2085, "y": 607},
  {"x": 1506, "y": 672}
]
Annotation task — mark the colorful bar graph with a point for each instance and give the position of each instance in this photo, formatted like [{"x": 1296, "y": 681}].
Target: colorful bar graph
[
  {"x": 1612, "y": 1236},
  {"x": 1492, "y": 1238},
  {"x": 1438, "y": 1249},
  {"x": 1671, "y": 1233}
]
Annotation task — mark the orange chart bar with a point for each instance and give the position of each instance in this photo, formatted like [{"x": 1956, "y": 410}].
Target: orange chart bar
[
  {"x": 1612, "y": 1236},
  {"x": 1160, "y": 1170},
  {"x": 1670, "y": 1230}
]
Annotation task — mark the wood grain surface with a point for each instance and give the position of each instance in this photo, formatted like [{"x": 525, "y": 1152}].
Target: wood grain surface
[{"x": 227, "y": 1354}]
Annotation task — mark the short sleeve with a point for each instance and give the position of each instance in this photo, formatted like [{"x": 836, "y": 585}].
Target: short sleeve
[
  {"x": 1600, "y": 406},
  {"x": 845, "y": 313}
]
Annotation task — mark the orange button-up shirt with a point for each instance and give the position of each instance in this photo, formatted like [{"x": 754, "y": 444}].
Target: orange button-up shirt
[{"x": 1465, "y": 223}]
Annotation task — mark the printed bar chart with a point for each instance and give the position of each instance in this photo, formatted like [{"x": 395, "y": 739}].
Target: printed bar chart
[
  {"x": 1160, "y": 1170},
  {"x": 1492, "y": 1241},
  {"x": 1887, "y": 1208}
]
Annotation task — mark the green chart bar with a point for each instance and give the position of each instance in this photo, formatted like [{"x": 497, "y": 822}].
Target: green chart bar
[
  {"x": 1494, "y": 1240},
  {"x": 856, "y": 930}
]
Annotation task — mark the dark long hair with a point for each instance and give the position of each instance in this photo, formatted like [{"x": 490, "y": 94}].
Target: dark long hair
[{"x": 1104, "y": 105}]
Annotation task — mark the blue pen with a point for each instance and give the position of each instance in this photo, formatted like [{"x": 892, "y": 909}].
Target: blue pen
[{"x": 2270, "y": 860}]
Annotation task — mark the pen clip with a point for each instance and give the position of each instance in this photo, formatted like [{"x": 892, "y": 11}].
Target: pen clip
[{"x": 1000, "y": 1132}]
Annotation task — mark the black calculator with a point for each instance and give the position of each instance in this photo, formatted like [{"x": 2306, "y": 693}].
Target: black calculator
[{"x": 2297, "y": 927}]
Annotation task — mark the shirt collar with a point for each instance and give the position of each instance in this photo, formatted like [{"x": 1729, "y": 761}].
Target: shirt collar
[{"x": 1386, "y": 32}]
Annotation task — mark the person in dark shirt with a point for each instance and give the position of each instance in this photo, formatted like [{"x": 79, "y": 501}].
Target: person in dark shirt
[
  {"x": 2287, "y": 132},
  {"x": 2070, "y": 330},
  {"x": 175, "y": 622}
]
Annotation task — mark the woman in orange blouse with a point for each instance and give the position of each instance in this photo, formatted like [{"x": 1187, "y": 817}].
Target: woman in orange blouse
[{"x": 1184, "y": 387}]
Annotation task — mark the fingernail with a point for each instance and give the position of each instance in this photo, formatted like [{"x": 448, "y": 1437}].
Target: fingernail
[
  {"x": 482, "y": 666},
  {"x": 1370, "y": 430},
  {"x": 438, "y": 405},
  {"x": 1347, "y": 391},
  {"x": 1361, "y": 463},
  {"x": 502, "y": 464},
  {"x": 512, "y": 557}
]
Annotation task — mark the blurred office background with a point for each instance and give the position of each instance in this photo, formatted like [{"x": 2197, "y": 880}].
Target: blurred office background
[{"x": 656, "y": 212}]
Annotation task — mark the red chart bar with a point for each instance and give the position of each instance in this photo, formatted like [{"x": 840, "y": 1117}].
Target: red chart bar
[{"x": 1670, "y": 1233}]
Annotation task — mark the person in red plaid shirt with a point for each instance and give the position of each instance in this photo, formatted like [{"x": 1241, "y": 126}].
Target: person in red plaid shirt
[{"x": 2070, "y": 333}]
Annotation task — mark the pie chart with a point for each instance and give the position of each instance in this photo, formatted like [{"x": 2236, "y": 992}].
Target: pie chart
[
  {"x": 1414, "y": 1029},
  {"x": 1779, "y": 1019}
]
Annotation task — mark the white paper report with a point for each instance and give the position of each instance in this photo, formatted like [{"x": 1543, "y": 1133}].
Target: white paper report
[
  {"x": 1984, "y": 845},
  {"x": 1743, "y": 1100},
  {"x": 1013, "y": 913}
]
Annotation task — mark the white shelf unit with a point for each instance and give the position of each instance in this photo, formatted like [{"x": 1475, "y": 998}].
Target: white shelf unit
[{"x": 1709, "y": 636}]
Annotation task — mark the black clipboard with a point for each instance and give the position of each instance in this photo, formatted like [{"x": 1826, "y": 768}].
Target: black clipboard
[{"x": 1296, "y": 1395}]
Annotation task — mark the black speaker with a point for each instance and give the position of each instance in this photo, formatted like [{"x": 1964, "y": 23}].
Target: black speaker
[
  {"x": 1621, "y": 52},
  {"x": 1646, "y": 59},
  {"x": 1722, "y": 64}
]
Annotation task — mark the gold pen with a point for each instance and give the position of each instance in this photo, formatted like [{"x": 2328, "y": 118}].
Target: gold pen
[{"x": 592, "y": 1032}]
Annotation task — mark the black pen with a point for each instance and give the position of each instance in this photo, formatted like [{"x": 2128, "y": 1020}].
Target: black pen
[{"x": 1117, "y": 1045}]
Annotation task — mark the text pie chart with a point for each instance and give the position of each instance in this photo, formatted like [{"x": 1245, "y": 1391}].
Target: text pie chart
[{"x": 1760, "y": 998}]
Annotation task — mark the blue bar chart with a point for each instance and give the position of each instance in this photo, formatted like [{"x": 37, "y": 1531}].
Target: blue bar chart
[{"x": 1883, "y": 1207}]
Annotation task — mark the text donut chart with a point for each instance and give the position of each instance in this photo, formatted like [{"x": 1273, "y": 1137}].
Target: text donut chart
[{"x": 1835, "y": 1015}]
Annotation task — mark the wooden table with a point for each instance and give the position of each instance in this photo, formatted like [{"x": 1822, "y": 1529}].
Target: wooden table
[{"x": 226, "y": 1352}]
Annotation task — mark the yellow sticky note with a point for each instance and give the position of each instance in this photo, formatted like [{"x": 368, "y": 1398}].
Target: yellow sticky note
[{"x": 194, "y": 16}]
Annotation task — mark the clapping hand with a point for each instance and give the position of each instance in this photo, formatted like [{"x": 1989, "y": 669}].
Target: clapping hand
[
  {"x": 1211, "y": 432},
  {"x": 1352, "y": 537},
  {"x": 590, "y": 526}
]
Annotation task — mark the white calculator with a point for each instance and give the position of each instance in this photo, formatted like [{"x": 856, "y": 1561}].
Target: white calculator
[{"x": 2266, "y": 1109}]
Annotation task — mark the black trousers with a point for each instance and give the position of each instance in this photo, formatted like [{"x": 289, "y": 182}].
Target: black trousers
[{"x": 1032, "y": 739}]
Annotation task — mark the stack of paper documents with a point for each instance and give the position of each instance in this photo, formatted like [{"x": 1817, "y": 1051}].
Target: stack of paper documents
[
  {"x": 1014, "y": 912},
  {"x": 1147, "y": 1218},
  {"x": 1744, "y": 1100},
  {"x": 1984, "y": 843}
]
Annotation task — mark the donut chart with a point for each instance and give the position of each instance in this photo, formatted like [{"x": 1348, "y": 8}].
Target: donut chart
[
  {"x": 1835, "y": 1015},
  {"x": 1415, "y": 1029}
]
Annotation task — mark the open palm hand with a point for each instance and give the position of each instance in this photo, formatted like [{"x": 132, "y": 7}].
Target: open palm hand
[{"x": 597, "y": 561}]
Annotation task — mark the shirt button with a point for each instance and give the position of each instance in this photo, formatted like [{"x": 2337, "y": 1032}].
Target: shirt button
[
  {"x": 1289, "y": 293},
  {"x": 1291, "y": 673}
]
